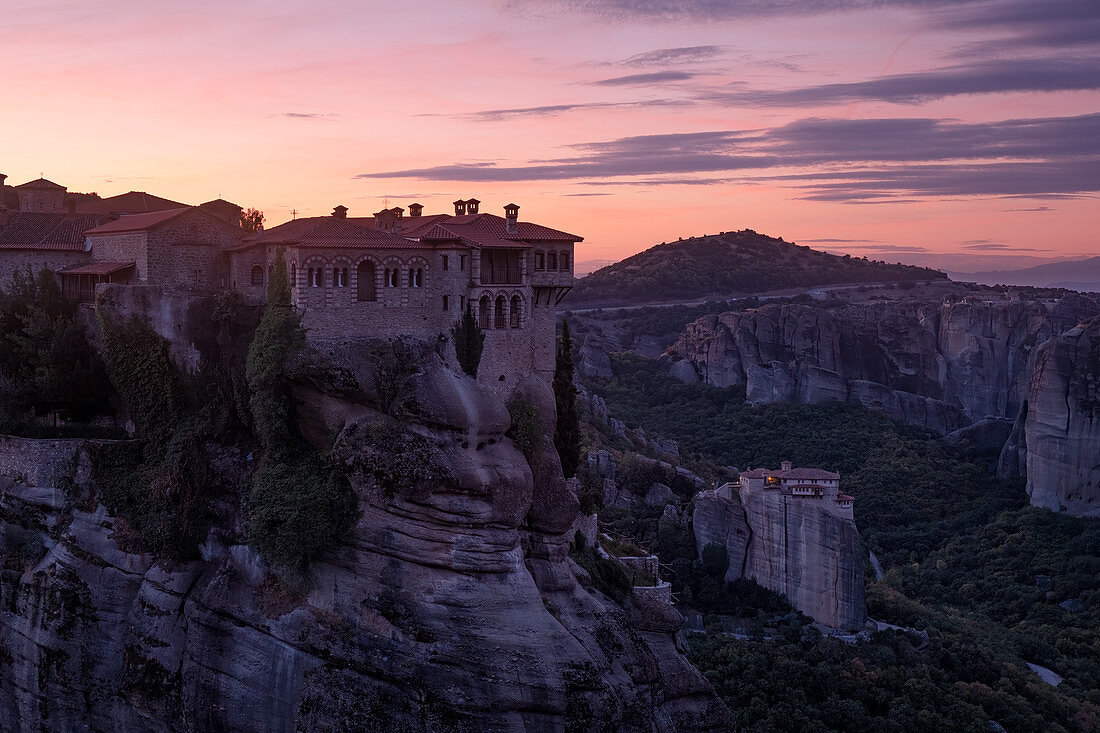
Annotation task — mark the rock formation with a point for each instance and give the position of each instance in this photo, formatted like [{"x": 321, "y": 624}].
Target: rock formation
[
  {"x": 454, "y": 604},
  {"x": 1061, "y": 423},
  {"x": 941, "y": 365},
  {"x": 790, "y": 545}
]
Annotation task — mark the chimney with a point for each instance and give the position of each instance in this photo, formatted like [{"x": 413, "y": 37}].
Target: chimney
[
  {"x": 460, "y": 208},
  {"x": 471, "y": 206},
  {"x": 398, "y": 211},
  {"x": 340, "y": 212},
  {"x": 785, "y": 466},
  {"x": 511, "y": 218},
  {"x": 415, "y": 209}
]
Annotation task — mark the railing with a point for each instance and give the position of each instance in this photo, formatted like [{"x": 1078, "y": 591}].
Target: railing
[{"x": 502, "y": 276}]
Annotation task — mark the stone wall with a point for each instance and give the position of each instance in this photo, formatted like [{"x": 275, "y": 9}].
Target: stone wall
[
  {"x": 38, "y": 462},
  {"x": 35, "y": 260},
  {"x": 122, "y": 247},
  {"x": 187, "y": 251}
]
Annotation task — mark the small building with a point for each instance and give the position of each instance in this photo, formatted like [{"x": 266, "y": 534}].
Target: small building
[{"x": 802, "y": 483}]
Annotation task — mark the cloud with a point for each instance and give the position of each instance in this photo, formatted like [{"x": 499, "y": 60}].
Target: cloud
[
  {"x": 657, "y": 77},
  {"x": 1049, "y": 24},
  {"x": 985, "y": 77},
  {"x": 831, "y": 240},
  {"x": 1034, "y": 208},
  {"x": 998, "y": 247},
  {"x": 305, "y": 115},
  {"x": 587, "y": 194},
  {"x": 713, "y": 10},
  {"x": 860, "y": 160},
  {"x": 553, "y": 110},
  {"x": 674, "y": 56}
]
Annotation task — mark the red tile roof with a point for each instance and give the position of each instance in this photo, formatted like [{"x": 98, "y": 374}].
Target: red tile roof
[
  {"x": 41, "y": 183},
  {"x": 46, "y": 231},
  {"x": 138, "y": 222},
  {"x": 333, "y": 232},
  {"x": 845, "y": 497},
  {"x": 132, "y": 202},
  {"x": 809, "y": 474},
  {"x": 96, "y": 268}
]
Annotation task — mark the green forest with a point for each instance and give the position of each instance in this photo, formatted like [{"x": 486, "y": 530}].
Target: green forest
[
  {"x": 994, "y": 582},
  {"x": 727, "y": 264}
]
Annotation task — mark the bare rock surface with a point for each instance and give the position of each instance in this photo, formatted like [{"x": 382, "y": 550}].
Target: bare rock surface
[
  {"x": 941, "y": 365},
  {"x": 790, "y": 545},
  {"x": 453, "y": 606},
  {"x": 1061, "y": 425}
]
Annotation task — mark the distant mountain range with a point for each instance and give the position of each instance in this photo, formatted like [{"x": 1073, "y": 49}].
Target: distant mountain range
[
  {"x": 727, "y": 265},
  {"x": 1081, "y": 275}
]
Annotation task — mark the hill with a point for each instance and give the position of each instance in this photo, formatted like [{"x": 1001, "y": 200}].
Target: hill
[
  {"x": 1074, "y": 274},
  {"x": 729, "y": 264}
]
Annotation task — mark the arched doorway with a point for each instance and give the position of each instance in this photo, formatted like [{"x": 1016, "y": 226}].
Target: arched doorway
[{"x": 365, "y": 286}]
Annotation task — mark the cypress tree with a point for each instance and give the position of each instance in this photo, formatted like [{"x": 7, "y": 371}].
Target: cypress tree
[
  {"x": 469, "y": 340},
  {"x": 567, "y": 434}
]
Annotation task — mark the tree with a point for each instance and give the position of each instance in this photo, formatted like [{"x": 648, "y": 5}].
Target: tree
[
  {"x": 469, "y": 341},
  {"x": 567, "y": 433},
  {"x": 252, "y": 220}
]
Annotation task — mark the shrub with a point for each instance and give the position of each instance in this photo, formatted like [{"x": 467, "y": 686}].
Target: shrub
[
  {"x": 469, "y": 340},
  {"x": 525, "y": 430}
]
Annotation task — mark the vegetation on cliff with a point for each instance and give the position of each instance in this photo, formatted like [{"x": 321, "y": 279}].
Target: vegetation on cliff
[
  {"x": 567, "y": 437},
  {"x": 993, "y": 582},
  {"x": 730, "y": 263},
  {"x": 299, "y": 505},
  {"x": 46, "y": 360},
  {"x": 469, "y": 340}
]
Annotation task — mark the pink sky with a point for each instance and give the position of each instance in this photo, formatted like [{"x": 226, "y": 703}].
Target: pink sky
[{"x": 908, "y": 132}]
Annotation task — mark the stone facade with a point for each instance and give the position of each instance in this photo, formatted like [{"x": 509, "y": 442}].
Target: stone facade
[
  {"x": 34, "y": 260},
  {"x": 38, "y": 462}
]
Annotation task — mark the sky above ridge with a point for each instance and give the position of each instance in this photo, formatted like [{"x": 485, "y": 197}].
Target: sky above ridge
[{"x": 959, "y": 133}]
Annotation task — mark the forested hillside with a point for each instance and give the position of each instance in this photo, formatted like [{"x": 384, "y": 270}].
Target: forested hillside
[{"x": 731, "y": 263}]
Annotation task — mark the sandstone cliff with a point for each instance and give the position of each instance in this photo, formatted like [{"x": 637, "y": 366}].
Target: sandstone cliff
[
  {"x": 453, "y": 606},
  {"x": 942, "y": 365},
  {"x": 1061, "y": 425},
  {"x": 792, "y": 546}
]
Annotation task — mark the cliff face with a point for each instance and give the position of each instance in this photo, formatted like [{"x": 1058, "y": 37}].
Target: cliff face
[
  {"x": 940, "y": 365},
  {"x": 1061, "y": 425},
  {"x": 453, "y": 606},
  {"x": 791, "y": 545}
]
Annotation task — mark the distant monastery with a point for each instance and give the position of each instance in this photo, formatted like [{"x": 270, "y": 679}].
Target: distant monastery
[
  {"x": 379, "y": 276},
  {"x": 796, "y": 483}
]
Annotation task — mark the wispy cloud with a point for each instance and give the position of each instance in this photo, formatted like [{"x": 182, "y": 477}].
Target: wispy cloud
[
  {"x": 1047, "y": 24},
  {"x": 984, "y": 77},
  {"x": 656, "y": 77},
  {"x": 713, "y": 10},
  {"x": 553, "y": 110},
  {"x": 864, "y": 160},
  {"x": 675, "y": 56},
  {"x": 326, "y": 116},
  {"x": 1033, "y": 209}
]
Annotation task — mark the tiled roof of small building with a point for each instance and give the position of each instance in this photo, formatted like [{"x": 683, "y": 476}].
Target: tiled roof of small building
[
  {"x": 132, "y": 202},
  {"x": 46, "y": 231},
  {"x": 41, "y": 183},
  {"x": 810, "y": 474},
  {"x": 845, "y": 497},
  {"x": 96, "y": 268},
  {"x": 138, "y": 222},
  {"x": 757, "y": 473}
]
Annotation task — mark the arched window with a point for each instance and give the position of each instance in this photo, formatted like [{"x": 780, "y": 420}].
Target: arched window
[
  {"x": 293, "y": 275},
  {"x": 340, "y": 277},
  {"x": 365, "y": 290},
  {"x": 412, "y": 278},
  {"x": 393, "y": 278},
  {"x": 513, "y": 311},
  {"x": 419, "y": 277},
  {"x": 540, "y": 261},
  {"x": 551, "y": 260},
  {"x": 498, "y": 313},
  {"x": 257, "y": 275},
  {"x": 316, "y": 277},
  {"x": 563, "y": 262},
  {"x": 483, "y": 308}
]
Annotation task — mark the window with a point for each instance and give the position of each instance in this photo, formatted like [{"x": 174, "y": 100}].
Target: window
[
  {"x": 551, "y": 260},
  {"x": 462, "y": 262},
  {"x": 445, "y": 303},
  {"x": 462, "y": 303},
  {"x": 293, "y": 275},
  {"x": 412, "y": 278},
  {"x": 257, "y": 275},
  {"x": 364, "y": 286},
  {"x": 419, "y": 281},
  {"x": 513, "y": 312},
  {"x": 563, "y": 262},
  {"x": 483, "y": 307},
  {"x": 540, "y": 261},
  {"x": 393, "y": 278},
  {"x": 316, "y": 277},
  {"x": 498, "y": 313},
  {"x": 340, "y": 277},
  {"x": 445, "y": 262}
]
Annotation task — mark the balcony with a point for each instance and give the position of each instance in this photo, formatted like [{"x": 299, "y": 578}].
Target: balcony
[{"x": 501, "y": 276}]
